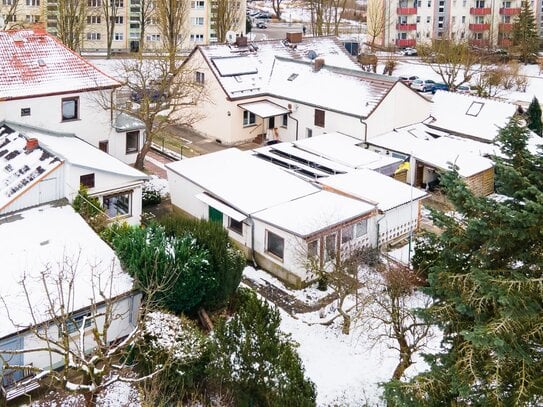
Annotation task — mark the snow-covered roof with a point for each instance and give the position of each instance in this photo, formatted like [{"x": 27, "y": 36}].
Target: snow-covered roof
[
  {"x": 344, "y": 150},
  {"x": 241, "y": 180},
  {"x": 469, "y": 116},
  {"x": 41, "y": 238},
  {"x": 285, "y": 70},
  {"x": 124, "y": 122},
  {"x": 264, "y": 108},
  {"x": 21, "y": 168},
  {"x": 78, "y": 152},
  {"x": 442, "y": 154},
  {"x": 34, "y": 63},
  {"x": 314, "y": 212},
  {"x": 373, "y": 187}
]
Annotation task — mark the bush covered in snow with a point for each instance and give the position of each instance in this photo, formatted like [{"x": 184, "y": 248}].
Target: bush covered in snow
[
  {"x": 226, "y": 261},
  {"x": 175, "y": 345},
  {"x": 173, "y": 271},
  {"x": 254, "y": 360}
]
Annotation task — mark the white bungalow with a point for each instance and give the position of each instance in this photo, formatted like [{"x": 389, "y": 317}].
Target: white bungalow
[
  {"x": 55, "y": 245},
  {"x": 41, "y": 167},
  {"x": 276, "y": 217}
]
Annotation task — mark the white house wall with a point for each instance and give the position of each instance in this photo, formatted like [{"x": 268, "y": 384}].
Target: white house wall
[
  {"x": 399, "y": 108},
  {"x": 127, "y": 310},
  {"x": 397, "y": 222},
  {"x": 93, "y": 125},
  {"x": 50, "y": 188}
]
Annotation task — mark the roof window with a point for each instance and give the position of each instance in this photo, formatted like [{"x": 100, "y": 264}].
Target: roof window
[{"x": 475, "y": 109}]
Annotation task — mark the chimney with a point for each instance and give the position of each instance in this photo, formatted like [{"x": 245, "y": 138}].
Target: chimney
[
  {"x": 31, "y": 144},
  {"x": 318, "y": 63},
  {"x": 294, "y": 37},
  {"x": 39, "y": 28},
  {"x": 241, "y": 41}
]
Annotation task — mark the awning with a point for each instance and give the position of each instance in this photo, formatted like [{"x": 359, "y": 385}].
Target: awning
[
  {"x": 221, "y": 207},
  {"x": 264, "y": 108}
]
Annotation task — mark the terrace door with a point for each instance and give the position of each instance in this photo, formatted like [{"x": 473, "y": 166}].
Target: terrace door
[{"x": 214, "y": 215}]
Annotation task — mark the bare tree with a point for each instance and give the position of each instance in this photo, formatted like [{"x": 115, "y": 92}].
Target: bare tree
[
  {"x": 377, "y": 19},
  {"x": 110, "y": 9},
  {"x": 226, "y": 16},
  {"x": 389, "y": 297},
  {"x": 147, "y": 11},
  {"x": 57, "y": 332},
  {"x": 276, "y": 5},
  {"x": 172, "y": 16},
  {"x": 326, "y": 16},
  {"x": 9, "y": 10},
  {"x": 160, "y": 96},
  {"x": 71, "y": 17},
  {"x": 452, "y": 59}
]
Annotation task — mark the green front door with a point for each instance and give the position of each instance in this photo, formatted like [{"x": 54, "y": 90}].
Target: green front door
[{"x": 215, "y": 215}]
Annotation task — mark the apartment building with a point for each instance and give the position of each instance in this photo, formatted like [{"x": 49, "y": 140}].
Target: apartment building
[
  {"x": 481, "y": 22},
  {"x": 125, "y": 17}
]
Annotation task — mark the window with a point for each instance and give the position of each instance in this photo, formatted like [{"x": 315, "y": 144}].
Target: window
[
  {"x": 474, "y": 109},
  {"x": 32, "y": 18},
  {"x": 360, "y": 228},
  {"x": 118, "y": 37},
  {"x": 330, "y": 246},
  {"x": 25, "y": 111},
  {"x": 428, "y": 19},
  {"x": 480, "y": 4},
  {"x": 197, "y": 4},
  {"x": 313, "y": 249},
  {"x": 117, "y": 205},
  {"x": 116, "y": 3},
  {"x": 249, "y": 118},
  {"x": 87, "y": 180},
  {"x": 93, "y": 20},
  {"x": 418, "y": 19},
  {"x": 94, "y": 36},
  {"x": 118, "y": 19},
  {"x": 7, "y": 2},
  {"x": 309, "y": 133},
  {"x": 319, "y": 117},
  {"x": 285, "y": 121},
  {"x": 197, "y": 20},
  {"x": 235, "y": 226},
  {"x": 275, "y": 244},
  {"x": 70, "y": 109},
  {"x": 132, "y": 142},
  {"x": 200, "y": 77},
  {"x": 75, "y": 323},
  {"x": 104, "y": 146},
  {"x": 94, "y": 3},
  {"x": 347, "y": 234},
  {"x": 197, "y": 37},
  {"x": 153, "y": 37},
  {"x": 463, "y": 19},
  {"x": 32, "y": 2}
]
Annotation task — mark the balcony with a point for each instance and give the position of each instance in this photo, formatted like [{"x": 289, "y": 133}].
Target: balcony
[
  {"x": 505, "y": 27},
  {"x": 405, "y": 43},
  {"x": 406, "y": 11},
  {"x": 476, "y": 11},
  {"x": 479, "y": 27},
  {"x": 509, "y": 11},
  {"x": 505, "y": 42},
  {"x": 406, "y": 27},
  {"x": 479, "y": 43}
]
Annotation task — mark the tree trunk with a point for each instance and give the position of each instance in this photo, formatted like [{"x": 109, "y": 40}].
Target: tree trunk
[
  {"x": 346, "y": 326},
  {"x": 405, "y": 358},
  {"x": 140, "y": 159}
]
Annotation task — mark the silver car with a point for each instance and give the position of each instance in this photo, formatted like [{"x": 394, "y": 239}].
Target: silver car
[{"x": 422, "y": 85}]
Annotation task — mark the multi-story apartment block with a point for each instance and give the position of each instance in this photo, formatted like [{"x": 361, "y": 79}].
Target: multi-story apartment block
[
  {"x": 481, "y": 22},
  {"x": 125, "y": 16}
]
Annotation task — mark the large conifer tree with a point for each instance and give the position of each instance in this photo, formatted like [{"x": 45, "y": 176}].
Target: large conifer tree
[
  {"x": 524, "y": 34},
  {"x": 534, "y": 117},
  {"x": 485, "y": 276}
]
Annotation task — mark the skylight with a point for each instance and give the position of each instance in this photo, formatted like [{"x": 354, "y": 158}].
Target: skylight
[
  {"x": 292, "y": 77},
  {"x": 475, "y": 109}
]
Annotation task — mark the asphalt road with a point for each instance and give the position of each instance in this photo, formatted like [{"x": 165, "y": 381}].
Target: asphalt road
[{"x": 275, "y": 30}]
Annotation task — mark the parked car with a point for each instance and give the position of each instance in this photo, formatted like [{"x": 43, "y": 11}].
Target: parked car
[
  {"x": 261, "y": 24},
  {"x": 153, "y": 95},
  {"x": 422, "y": 85},
  {"x": 439, "y": 86},
  {"x": 408, "y": 79},
  {"x": 263, "y": 15},
  {"x": 409, "y": 52}
]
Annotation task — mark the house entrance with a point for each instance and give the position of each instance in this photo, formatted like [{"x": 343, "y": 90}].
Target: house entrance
[{"x": 215, "y": 215}]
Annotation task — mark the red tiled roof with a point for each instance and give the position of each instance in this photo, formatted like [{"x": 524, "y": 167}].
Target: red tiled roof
[{"x": 33, "y": 64}]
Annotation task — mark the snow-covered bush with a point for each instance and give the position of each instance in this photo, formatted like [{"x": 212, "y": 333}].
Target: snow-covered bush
[{"x": 253, "y": 359}]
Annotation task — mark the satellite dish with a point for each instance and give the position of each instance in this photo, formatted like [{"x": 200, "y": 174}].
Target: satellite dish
[
  {"x": 230, "y": 36},
  {"x": 311, "y": 54}
]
